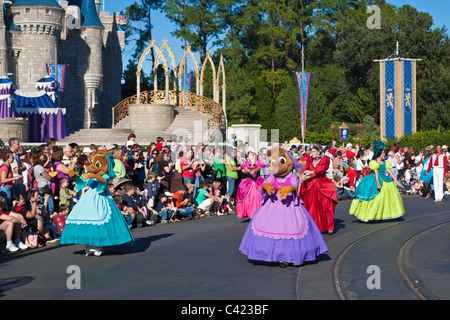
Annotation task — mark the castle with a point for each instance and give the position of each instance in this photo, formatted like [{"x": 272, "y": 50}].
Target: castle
[{"x": 74, "y": 33}]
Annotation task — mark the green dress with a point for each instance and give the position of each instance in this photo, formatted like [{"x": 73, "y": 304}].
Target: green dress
[{"x": 369, "y": 203}]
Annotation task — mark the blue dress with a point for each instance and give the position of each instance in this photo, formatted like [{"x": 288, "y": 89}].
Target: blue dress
[
  {"x": 429, "y": 177},
  {"x": 369, "y": 203},
  {"x": 96, "y": 220}
]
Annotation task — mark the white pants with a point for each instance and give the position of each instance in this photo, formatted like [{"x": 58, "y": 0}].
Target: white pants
[
  {"x": 205, "y": 204},
  {"x": 438, "y": 182}
]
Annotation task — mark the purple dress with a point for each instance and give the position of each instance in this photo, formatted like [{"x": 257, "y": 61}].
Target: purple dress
[{"x": 282, "y": 230}]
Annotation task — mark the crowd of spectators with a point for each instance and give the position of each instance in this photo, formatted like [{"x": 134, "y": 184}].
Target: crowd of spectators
[
  {"x": 350, "y": 164},
  {"x": 168, "y": 182}
]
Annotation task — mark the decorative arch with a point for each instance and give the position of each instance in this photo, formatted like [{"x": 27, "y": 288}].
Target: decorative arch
[
  {"x": 221, "y": 71},
  {"x": 174, "y": 63},
  {"x": 187, "y": 51},
  {"x": 139, "y": 68},
  {"x": 213, "y": 67}
]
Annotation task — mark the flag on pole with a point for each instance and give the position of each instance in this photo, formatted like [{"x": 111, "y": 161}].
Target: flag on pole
[
  {"x": 303, "y": 83},
  {"x": 186, "y": 85},
  {"x": 51, "y": 71},
  {"x": 397, "y": 97}
]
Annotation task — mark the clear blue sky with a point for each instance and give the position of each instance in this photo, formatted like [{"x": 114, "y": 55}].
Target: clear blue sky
[{"x": 162, "y": 27}]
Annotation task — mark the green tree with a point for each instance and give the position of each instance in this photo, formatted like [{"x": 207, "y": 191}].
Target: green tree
[{"x": 198, "y": 22}]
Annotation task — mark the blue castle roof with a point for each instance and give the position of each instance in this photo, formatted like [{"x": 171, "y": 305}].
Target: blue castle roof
[
  {"x": 89, "y": 15},
  {"x": 35, "y": 3}
]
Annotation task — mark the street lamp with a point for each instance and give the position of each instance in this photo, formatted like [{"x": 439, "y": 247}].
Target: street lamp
[
  {"x": 332, "y": 129},
  {"x": 360, "y": 127}
]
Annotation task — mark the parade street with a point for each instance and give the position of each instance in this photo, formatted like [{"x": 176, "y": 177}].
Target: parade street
[{"x": 403, "y": 259}]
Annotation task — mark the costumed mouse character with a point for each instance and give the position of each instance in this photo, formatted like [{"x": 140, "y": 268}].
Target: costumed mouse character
[
  {"x": 95, "y": 220},
  {"x": 281, "y": 230}
]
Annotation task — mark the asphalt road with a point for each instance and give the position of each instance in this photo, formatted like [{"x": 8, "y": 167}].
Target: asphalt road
[{"x": 405, "y": 259}]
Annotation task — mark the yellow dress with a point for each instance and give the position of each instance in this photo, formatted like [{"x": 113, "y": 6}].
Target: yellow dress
[{"x": 369, "y": 203}]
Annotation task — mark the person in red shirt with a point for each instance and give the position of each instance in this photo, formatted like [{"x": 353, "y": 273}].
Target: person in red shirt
[
  {"x": 438, "y": 163},
  {"x": 352, "y": 174},
  {"x": 159, "y": 143},
  {"x": 306, "y": 156},
  {"x": 349, "y": 153},
  {"x": 187, "y": 167}
]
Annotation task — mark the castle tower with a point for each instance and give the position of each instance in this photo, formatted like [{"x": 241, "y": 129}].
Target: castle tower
[
  {"x": 3, "y": 47},
  {"x": 92, "y": 33},
  {"x": 40, "y": 22},
  {"x": 113, "y": 45}
]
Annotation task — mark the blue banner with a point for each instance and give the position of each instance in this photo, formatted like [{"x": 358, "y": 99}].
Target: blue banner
[
  {"x": 408, "y": 95},
  {"x": 303, "y": 84},
  {"x": 397, "y": 98}
]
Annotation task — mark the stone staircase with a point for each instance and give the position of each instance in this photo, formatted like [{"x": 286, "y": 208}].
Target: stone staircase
[{"x": 187, "y": 123}]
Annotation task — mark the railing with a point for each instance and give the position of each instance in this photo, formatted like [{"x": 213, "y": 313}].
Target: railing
[{"x": 178, "y": 98}]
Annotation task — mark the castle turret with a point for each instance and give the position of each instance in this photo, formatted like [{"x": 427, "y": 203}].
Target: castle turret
[
  {"x": 3, "y": 47},
  {"x": 40, "y": 22},
  {"x": 92, "y": 33}
]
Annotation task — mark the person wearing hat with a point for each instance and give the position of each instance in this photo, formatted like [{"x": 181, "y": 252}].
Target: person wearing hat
[
  {"x": 87, "y": 151},
  {"x": 445, "y": 151},
  {"x": 438, "y": 163},
  {"x": 349, "y": 152},
  {"x": 294, "y": 151},
  {"x": 306, "y": 156}
]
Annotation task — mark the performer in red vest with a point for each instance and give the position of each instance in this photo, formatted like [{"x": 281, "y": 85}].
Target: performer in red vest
[{"x": 438, "y": 163}]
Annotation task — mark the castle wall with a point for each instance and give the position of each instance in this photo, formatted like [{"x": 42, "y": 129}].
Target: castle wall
[
  {"x": 93, "y": 58},
  {"x": 41, "y": 28}
]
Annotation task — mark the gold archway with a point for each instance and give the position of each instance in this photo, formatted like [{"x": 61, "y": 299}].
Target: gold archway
[
  {"x": 187, "y": 51},
  {"x": 213, "y": 67},
  {"x": 174, "y": 64},
  {"x": 139, "y": 68},
  {"x": 194, "y": 101}
]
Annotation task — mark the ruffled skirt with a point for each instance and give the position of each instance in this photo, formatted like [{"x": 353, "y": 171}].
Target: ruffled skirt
[
  {"x": 387, "y": 204},
  {"x": 282, "y": 230},
  {"x": 96, "y": 221},
  {"x": 248, "y": 197}
]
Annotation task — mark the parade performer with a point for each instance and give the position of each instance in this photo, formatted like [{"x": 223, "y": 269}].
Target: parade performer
[
  {"x": 438, "y": 163},
  {"x": 318, "y": 192},
  {"x": 248, "y": 196},
  {"x": 426, "y": 176},
  {"x": 377, "y": 198},
  {"x": 281, "y": 230},
  {"x": 95, "y": 220}
]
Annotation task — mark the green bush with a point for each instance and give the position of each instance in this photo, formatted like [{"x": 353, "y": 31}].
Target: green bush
[{"x": 418, "y": 140}]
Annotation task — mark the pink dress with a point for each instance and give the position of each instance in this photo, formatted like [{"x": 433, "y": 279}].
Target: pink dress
[{"x": 248, "y": 195}]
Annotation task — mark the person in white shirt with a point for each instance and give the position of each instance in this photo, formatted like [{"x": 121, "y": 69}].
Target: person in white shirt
[
  {"x": 438, "y": 162},
  {"x": 394, "y": 163}
]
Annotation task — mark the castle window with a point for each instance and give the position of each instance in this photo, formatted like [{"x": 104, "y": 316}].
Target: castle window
[
  {"x": 27, "y": 10},
  {"x": 47, "y": 11}
]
